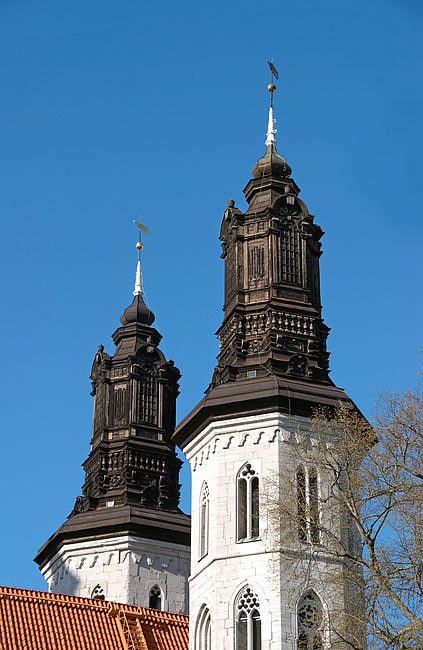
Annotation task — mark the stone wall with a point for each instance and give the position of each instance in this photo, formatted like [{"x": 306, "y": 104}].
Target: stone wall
[
  {"x": 125, "y": 569},
  {"x": 267, "y": 442}
]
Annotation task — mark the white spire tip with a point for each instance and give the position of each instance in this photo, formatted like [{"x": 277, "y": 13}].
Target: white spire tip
[
  {"x": 138, "y": 281},
  {"x": 271, "y": 131}
]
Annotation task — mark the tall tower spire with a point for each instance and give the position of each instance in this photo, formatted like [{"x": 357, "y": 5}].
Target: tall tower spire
[
  {"x": 272, "y": 372},
  {"x": 130, "y": 496},
  {"x": 272, "y": 322}
]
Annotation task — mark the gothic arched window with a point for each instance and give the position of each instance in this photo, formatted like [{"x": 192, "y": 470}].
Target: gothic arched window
[
  {"x": 310, "y": 622},
  {"x": 148, "y": 396},
  {"x": 204, "y": 521},
  {"x": 203, "y": 630},
  {"x": 308, "y": 505},
  {"x": 247, "y": 621},
  {"x": 247, "y": 503},
  {"x": 155, "y": 597}
]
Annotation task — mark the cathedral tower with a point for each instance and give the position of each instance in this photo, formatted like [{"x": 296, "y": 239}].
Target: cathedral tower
[
  {"x": 126, "y": 538},
  {"x": 272, "y": 372}
]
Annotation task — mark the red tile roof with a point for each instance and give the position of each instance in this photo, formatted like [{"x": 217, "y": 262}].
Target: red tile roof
[{"x": 38, "y": 620}]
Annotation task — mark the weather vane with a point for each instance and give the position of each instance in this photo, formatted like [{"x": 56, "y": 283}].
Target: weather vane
[
  {"x": 145, "y": 230},
  {"x": 271, "y": 87}
]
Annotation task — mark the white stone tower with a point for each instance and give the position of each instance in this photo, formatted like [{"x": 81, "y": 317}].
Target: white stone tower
[
  {"x": 126, "y": 539},
  {"x": 272, "y": 371}
]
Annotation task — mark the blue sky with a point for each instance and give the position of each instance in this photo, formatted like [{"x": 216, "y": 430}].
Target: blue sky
[{"x": 110, "y": 110}]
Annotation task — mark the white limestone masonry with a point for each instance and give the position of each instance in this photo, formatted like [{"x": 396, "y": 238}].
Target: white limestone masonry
[
  {"x": 125, "y": 568},
  {"x": 216, "y": 455}
]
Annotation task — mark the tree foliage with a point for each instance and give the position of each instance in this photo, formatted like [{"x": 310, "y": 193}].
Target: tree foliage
[{"x": 369, "y": 525}]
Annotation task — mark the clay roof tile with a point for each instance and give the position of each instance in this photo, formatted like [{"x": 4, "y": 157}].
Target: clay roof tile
[{"x": 36, "y": 620}]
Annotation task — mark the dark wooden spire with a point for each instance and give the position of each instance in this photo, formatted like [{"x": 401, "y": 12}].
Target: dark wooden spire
[
  {"x": 272, "y": 312},
  {"x": 273, "y": 353},
  {"x": 132, "y": 459},
  {"x": 132, "y": 472}
]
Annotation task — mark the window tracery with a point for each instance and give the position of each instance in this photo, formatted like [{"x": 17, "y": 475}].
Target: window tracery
[
  {"x": 310, "y": 622},
  {"x": 98, "y": 593},
  {"x": 248, "y": 621}
]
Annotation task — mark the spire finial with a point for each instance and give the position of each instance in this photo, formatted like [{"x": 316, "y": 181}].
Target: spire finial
[
  {"x": 271, "y": 131},
  {"x": 138, "y": 291}
]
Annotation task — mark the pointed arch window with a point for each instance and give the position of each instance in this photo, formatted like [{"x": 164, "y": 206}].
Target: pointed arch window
[
  {"x": 203, "y": 630},
  {"x": 248, "y": 505},
  {"x": 308, "y": 505},
  {"x": 204, "y": 521},
  {"x": 310, "y": 622},
  {"x": 248, "y": 621},
  {"x": 155, "y": 597}
]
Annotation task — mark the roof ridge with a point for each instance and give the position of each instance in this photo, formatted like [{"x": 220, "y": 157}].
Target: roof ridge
[
  {"x": 51, "y": 597},
  {"x": 168, "y": 616},
  {"x": 82, "y": 601}
]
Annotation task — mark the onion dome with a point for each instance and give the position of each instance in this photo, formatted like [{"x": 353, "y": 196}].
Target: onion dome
[
  {"x": 271, "y": 164},
  {"x": 138, "y": 312}
]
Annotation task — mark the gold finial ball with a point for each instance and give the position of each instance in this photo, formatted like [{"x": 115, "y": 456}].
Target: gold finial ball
[
  {"x": 271, "y": 88},
  {"x": 139, "y": 245}
]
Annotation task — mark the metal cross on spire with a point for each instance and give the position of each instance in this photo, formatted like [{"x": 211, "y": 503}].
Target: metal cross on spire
[{"x": 138, "y": 290}]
